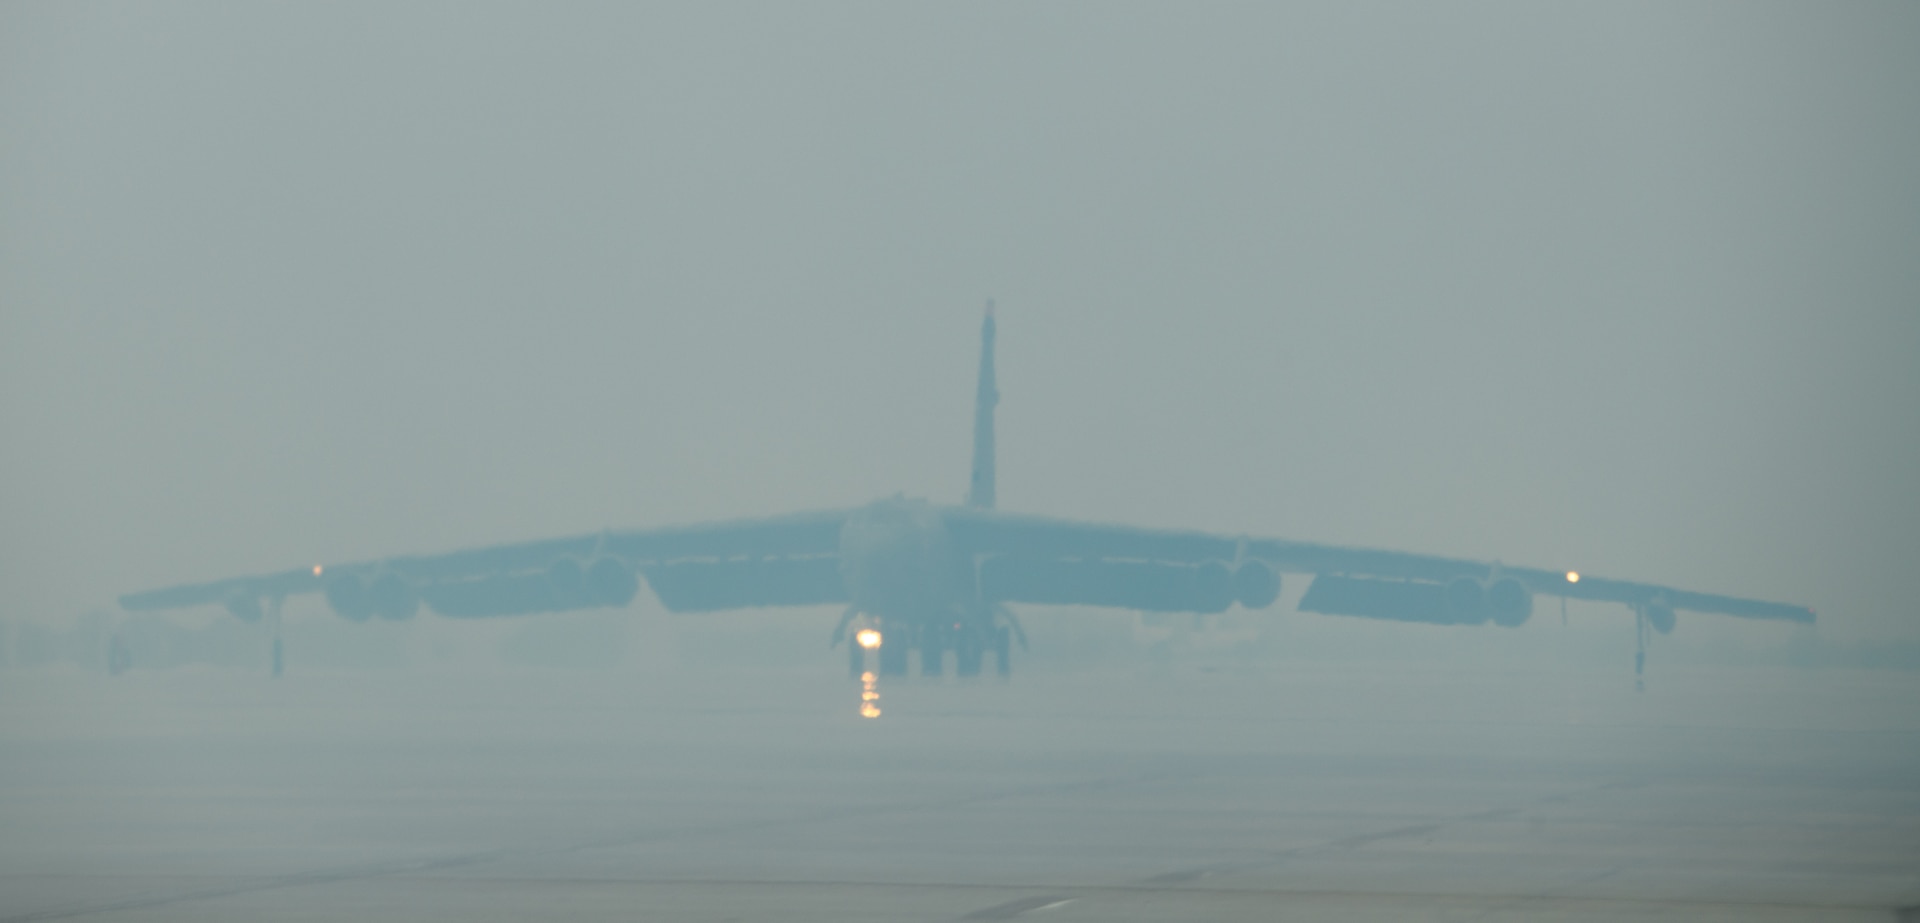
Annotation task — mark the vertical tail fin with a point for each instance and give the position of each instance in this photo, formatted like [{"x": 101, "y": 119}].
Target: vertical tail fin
[{"x": 980, "y": 493}]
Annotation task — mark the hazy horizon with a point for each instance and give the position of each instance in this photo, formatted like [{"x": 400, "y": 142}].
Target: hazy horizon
[{"x": 1630, "y": 288}]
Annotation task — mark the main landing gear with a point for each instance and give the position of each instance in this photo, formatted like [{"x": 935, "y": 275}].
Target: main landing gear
[
  {"x": 891, "y": 645},
  {"x": 893, "y": 657},
  {"x": 972, "y": 646},
  {"x": 933, "y": 650}
]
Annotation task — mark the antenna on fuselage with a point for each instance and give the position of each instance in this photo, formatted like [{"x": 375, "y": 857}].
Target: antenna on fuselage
[{"x": 980, "y": 492}]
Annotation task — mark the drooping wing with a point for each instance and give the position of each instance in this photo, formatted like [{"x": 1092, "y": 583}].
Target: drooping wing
[
  {"x": 780, "y": 560},
  {"x": 1042, "y": 560}
]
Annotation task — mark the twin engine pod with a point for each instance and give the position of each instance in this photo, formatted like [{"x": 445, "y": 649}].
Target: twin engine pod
[
  {"x": 387, "y": 595},
  {"x": 565, "y": 584},
  {"x": 1660, "y": 615},
  {"x": 1256, "y": 584},
  {"x": 245, "y": 606},
  {"x": 602, "y": 582},
  {"x": 1507, "y": 602},
  {"x": 1143, "y": 586}
]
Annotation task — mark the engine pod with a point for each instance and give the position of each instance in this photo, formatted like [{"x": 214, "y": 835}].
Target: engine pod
[
  {"x": 1466, "y": 601},
  {"x": 568, "y": 581},
  {"x": 347, "y": 596},
  {"x": 609, "y": 582},
  {"x": 392, "y": 598},
  {"x": 244, "y": 606},
  {"x": 1661, "y": 616},
  {"x": 1509, "y": 603},
  {"x": 1256, "y": 584},
  {"x": 1213, "y": 587}
]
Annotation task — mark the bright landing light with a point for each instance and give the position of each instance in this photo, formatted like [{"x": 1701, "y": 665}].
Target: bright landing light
[
  {"x": 1573, "y": 576},
  {"x": 868, "y": 638}
]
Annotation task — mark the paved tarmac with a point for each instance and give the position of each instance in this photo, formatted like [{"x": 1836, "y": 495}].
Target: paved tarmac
[{"x": 1262, "y": 792}]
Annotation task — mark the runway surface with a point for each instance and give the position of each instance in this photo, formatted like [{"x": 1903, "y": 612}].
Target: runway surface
[{"x": 1324, "y": 792}]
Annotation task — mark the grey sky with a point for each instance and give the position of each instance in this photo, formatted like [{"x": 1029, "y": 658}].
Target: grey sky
[{"x": 1628, "y": 287}]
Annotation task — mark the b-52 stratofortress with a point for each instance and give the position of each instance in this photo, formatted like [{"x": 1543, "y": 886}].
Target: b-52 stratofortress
[{"x": 915, "y": 576}]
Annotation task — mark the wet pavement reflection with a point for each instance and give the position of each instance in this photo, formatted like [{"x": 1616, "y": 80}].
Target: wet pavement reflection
[{"x": 869, "y": 695}]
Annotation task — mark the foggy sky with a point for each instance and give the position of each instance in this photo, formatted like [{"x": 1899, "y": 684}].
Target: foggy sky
[{"x": 1633, "y": 288}]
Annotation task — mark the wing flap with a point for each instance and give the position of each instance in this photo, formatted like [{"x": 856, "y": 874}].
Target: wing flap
[
  {"x": 710, "y": 586},
  {"x": 797, "y": 535},
  {"x": 495, "y": 596},
  {"x": 1375, "y": 583},
  {"x": 510, "y": 579},
  {"x": 1310, "y": 558},
  {"x": 1147, "y": 586},
  {"x": 987, "y": 532},
  {"x": 217, "y": 592},
  {"x": 1395, "y": 600},
  {"x": 1601, "y": 589}
]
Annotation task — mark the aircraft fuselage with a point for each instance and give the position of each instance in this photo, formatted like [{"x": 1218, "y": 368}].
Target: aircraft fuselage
[{"x": 903, "y": 571}]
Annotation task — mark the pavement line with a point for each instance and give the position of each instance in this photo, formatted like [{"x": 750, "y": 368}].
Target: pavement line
[
  {"x": 1355, "y": 841},
  {"x": 1011, "y": 909},
  {"x": 405, "y": 866}
]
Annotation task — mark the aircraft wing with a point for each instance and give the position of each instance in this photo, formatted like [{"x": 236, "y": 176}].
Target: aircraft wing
[
  {"x": 1042, "y": 560},
  {"x": 780, "y": 560}
]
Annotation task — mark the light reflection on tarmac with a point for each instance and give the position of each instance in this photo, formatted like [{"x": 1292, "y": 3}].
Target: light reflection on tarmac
[
  {"x": 1317, "y": 794},
  {"x": 869, "y": 695}
]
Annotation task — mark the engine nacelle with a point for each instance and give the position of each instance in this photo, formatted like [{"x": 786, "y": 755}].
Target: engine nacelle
[
  {"x": 244, "y": 606},
  {"x": 1213, "y": 586},
  {"x": 568, "y": 581},
  {"x": 601, "y": 582},
  {"x": 392, "y": 598},
  {"x": 348, "y": 597},
  {"x": 1466, "y": 601},
  {"x": 1143, "y": 586},
  {"x": 610, "y": 582},
  {"x": 1661, "y": 616},
  {"x": 1256, "y": 584},
  {"x": 1509, "y": 603}
]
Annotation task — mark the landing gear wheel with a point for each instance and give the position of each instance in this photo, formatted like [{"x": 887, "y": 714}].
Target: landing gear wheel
[
  {"x": 1003, "y": 651},
  {"x": 933, "y": 652},
  {"x": 967, "y": 653}
]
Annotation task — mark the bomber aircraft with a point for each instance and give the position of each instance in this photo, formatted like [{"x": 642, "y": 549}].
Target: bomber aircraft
[{"x": 916, "y": 576}]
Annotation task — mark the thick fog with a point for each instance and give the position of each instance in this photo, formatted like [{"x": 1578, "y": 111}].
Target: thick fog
[{"x": 1628, "y": 288}]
